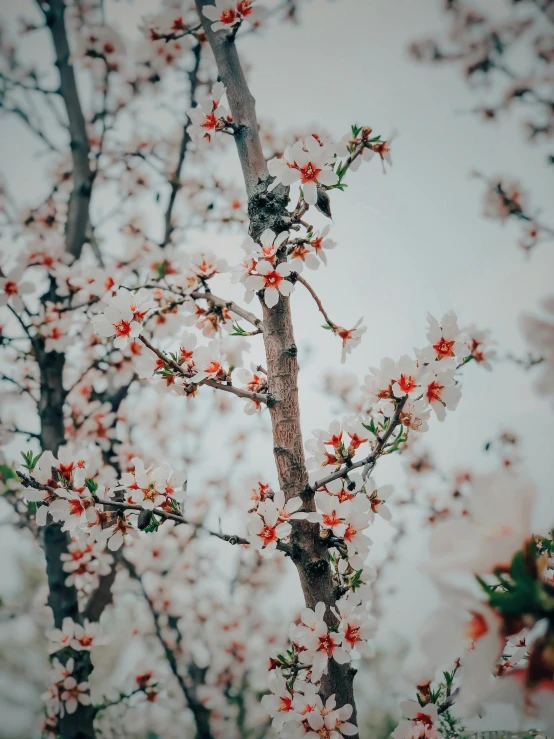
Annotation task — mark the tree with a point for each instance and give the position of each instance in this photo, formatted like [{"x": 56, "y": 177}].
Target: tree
[{"x": 95, "y": 303}]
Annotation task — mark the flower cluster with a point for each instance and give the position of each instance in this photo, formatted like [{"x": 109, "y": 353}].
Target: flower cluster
[
  {"x": 269, "y": 520},
  {"x": 227, "y": 15},
  {"x": 67, "y": 491},
  {"x": 294, "y": 703},
  {"x": 496, "y": 629},
  {"x": 64, "y": 692},
  {"x": 209, "y": 116},
  {"x": 123, "y": 316}
]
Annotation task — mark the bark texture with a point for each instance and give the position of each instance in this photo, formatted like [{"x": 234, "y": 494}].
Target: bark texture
[
  {"x": 63, "y": 599},
  {"x": 268, "y": 210},
  {"x": 78, "y": 212}
]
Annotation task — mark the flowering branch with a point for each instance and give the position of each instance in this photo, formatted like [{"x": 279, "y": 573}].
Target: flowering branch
[
  {"x": 239, "y": 392},
  {"x": 231, "y": 306},
  {"x": 368, "y": 462}
]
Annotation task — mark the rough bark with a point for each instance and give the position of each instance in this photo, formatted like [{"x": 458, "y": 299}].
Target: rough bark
[
  {"x": 268, "y": 210},
  {"x": 79, "y": 202},
  {"x": 63, "y": 599}
]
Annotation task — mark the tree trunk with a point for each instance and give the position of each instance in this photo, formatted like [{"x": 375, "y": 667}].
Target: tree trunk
[
  {"x": 61, "y": 598},
  {"x": 268, "y": 210}
]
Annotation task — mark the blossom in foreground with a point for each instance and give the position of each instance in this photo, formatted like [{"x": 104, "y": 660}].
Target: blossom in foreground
[
  {"x": 420, "y": 722},
  {"x": 321, "y": 644},
  {"x": 464, "y": 626},
  {"x": 272, "y": 281},
  {"x": 278, "y": 703},
  {"x": 268, "y": 246},
  {"x": 306, "y": 162},
  {"x": 209, "y": 115},
  {"x": 350, "y": 337},
  {"x": 498, "y": 524},
  {"x": 441, "y": 391},
  {"x": 123, "y": 316},
  {"x": 445, "y": 338},
  {"x": 326, "y": 722},
  {"x": 227, "y": 13},
  {"x": 320, "y": 243},
  {"x": 270, "y": 523},
  {"x": 331, "y": 515}
]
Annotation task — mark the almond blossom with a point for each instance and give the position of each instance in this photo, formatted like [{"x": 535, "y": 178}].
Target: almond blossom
[
  {"x": 332, "y": 515},
  {"x": 227, "y": 13},
  {"x": 326, "y": 722},
  {"x": 356, "y": 624},
  {"x": 73, "y": 693},
  {"x": 308, "y": 163},
  {"x": 78, "y": 637},
  {"x": 441, "y": 392},
  {"x": 209, "y": 116},
  {"x": 464, "y": 625},
  {"x": 377, "y": 499},
  {"x": 321, "y": 645},
  {"x": 265, "y": 528},
  {"x": 445, "y": 338},
  {"x": 12, "y": 288},
  {"x": 421, "y": 722},
  {"x": 278, "y": 703},
  {"x": 272, "y": 280},
  {"x": 320, "y": 243},
  {"x": 500, "y": 506},
  {"x": 118, "y": 322}
]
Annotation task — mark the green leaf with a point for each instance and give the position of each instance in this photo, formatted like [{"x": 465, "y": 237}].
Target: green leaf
[
  {"x": 92, "y": 485},
  {"x": 238, "y": 330},
  {"x": 7, "y": 473}
]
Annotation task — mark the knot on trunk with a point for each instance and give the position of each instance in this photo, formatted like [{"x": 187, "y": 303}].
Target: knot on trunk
[
  {"x": 318, "y": 568},
  {"x": 268, "y": 210}
]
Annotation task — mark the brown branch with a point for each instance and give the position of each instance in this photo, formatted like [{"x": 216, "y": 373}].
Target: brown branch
[
  {"x": 230, "y": 305},
  {"x": 16, "y": 110},
  {"x": 185, "y": 141},
  {"x": 230, "y": 538},
  {"x": 318, "y": 302},
  {"x": 269, "y": 210},
  {"x": 239, "y": 392},
  {"x": 242, "y": 104},
  {"x": 369, "y": 461},
  {"x": 79, "y": 201},
  {"x": 199, "y": 711},
  {"x": 102, "y": 597},
  {"x": 22, "y": 388}
]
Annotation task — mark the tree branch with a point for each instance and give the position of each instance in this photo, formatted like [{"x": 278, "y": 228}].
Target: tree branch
[
  {"x": 368, "y": 462},
  {"x": 79, "y": 201},
  {"x": 230, "y": 305},
  {"x": 318, "y": 302},
  {"x": 269, "y": 210},
  {"x": 239, "y": 392},
  {"x": 185, "y": 141}
]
